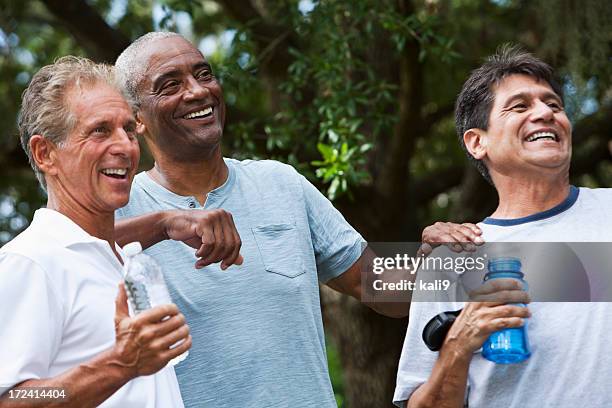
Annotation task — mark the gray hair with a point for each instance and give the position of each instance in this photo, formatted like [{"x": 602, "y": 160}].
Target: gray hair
[
  {"x": 475, "y": 101},
  {"x": 131, "y": 68},
  {"x": 45, "y": 109}
]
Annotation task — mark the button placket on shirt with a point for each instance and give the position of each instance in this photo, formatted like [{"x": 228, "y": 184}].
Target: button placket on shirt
[{"x": 210, "y": 200}]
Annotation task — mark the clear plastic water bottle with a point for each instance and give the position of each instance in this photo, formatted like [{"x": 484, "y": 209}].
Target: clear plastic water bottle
[
  {"x": 145, "y": 285},
  {"x": 511, "y": 345}
]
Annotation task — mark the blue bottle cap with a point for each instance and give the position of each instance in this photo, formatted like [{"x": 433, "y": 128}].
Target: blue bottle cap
[{"x": 505, "y": 265}]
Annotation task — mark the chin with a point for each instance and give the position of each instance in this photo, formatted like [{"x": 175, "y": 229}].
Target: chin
[
  {"x": 208, "y": 143},
  {"x": 551, "y": 168},
  {"x": 549, "y": 159},
  {"x": 210, "y": 137},
  {"x": 118, "y": 202}
]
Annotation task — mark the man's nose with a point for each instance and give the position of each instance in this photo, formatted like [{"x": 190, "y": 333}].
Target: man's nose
[
  {"x": 195, "y": 90},
  {"x": 542, "y": 111},
  {"x": 123, "y": 142}
]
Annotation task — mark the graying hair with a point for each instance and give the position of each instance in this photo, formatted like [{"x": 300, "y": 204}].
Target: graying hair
[
  {"x": 45, "y": 109},
  {"x": 474, "y": 103},
  {"x": 131, "y": 68}
]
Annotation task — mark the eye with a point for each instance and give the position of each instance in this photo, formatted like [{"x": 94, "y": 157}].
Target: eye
[
  {"x": 169, "y": 86},
  {"x": 555, "y": 106},
  {"x": 130, "y": 130},
  {"x": 519, "y": 107},
  {"x": 205, "y": 74},
  {"x": 100, "y": 130}
]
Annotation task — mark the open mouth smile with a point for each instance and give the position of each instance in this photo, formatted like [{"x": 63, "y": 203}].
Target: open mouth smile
[
  {"x": 204, "y": 113},
  {"x": 116, "y": 173},
  {"x": 542, "y": 136}
]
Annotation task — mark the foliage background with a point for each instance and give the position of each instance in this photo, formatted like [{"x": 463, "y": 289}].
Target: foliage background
[{"x": 358, "y": 95}]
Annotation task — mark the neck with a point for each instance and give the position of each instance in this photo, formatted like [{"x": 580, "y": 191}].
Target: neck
[
  {"x": 99, "y": 225},
  {"x": 195, "y": 179},
  {"x": 520, "y": 198}
]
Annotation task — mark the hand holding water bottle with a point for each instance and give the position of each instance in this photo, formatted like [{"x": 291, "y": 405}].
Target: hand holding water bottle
[
  {"x": 142, "y": 342},
  {"x": 146, "y": 290},
  {"x": 492, "y": 307}
]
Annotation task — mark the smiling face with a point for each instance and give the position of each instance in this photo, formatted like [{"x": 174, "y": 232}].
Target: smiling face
[
  {"x": 182, "y": 104},
  {"x": 94, "y": 166},
  {"x": 528, "y": 133}
]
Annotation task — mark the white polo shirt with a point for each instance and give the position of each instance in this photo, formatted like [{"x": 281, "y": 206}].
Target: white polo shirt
[{"x": 58, "y": 286}]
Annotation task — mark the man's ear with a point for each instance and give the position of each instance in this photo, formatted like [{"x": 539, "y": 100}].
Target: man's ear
[
  {"x": 140, "y": 126},
  {"x": 475, "y": 141},
  {"x": 43, "y": 154}
]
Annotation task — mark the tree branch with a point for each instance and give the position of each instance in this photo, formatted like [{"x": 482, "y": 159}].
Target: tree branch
[
  {"x": 392, "y": 181},
  {"x": 89, "y": 28},
  {"x": 246, "y": 14},
  {"x": 272, "y": 41},
  {"x": 240, "y": 10}
]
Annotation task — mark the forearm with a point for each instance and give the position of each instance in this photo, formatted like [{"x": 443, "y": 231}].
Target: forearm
[
  {"x": 395, "y": 310},
  {"x": 148, "y": 229},
  {"x": 377, "y": 291},
  {"x": 86, "y": 385},
  {"x": 382, "y": 296},
  {"x": 446, "y": 385}
]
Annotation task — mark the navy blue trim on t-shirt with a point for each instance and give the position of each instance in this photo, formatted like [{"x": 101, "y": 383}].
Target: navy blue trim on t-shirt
[{"x": 558, "y": 209}]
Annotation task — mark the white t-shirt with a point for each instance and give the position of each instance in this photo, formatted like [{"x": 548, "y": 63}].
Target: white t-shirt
[
  {"x": 571, "y": 363},
  {"x": 58, "y": 286}
]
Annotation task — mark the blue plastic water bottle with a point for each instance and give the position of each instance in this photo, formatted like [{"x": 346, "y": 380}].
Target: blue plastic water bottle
[{"x": 507, "y": 346}]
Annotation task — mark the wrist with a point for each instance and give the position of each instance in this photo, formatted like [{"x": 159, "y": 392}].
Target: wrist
[
  {"x": 109, "y": 365},
  {"x": 117, "y": 367},
  {"x": 455, "y": 353},
  {"x": 164, "y": 222}
]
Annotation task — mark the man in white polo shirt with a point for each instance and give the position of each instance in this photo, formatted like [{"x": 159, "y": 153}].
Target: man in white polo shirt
[{"x": 59, "y": 278}]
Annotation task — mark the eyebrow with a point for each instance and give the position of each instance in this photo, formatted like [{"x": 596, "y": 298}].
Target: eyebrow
[
  {"x": 96, "y": 123},
  {"x": 104, "y": 122},
  {"x": 130, "y": 122},
  {"x": 524, "y": 95},
  {"x": 176, "y": 72},
  {"x": 202, "y": 64}
]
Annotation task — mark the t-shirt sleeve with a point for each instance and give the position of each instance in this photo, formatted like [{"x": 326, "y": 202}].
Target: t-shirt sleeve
[
  {"x": 337, "y": 245},
  {"x": 31, "y": 321},
  {"x": 416, "y": 361}
]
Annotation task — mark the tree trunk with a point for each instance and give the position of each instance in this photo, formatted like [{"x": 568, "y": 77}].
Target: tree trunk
[
  {"x": 370, "y": 344},
  {"x": 369, "y": 347}
]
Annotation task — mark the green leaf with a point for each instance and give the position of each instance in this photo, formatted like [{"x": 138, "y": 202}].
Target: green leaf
[
  {"x": 344, "y": 149},
  {"x": 326, "y": 151},
  {"x": 333, "y": 136},
  {"x": 333, "y": 188},
  {"x": 365, "y": 147}
]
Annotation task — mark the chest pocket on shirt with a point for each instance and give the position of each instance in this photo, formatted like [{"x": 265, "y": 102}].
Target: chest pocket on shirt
[{"x": 278, "y": 246}]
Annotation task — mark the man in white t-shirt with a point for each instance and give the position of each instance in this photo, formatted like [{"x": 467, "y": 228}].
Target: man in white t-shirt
[
  {"x": 511, "y": 122},
  {"x": 59, "y": 278}
]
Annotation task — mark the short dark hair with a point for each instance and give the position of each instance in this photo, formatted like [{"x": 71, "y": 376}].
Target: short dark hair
[{"x": 475, "y": 101}]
